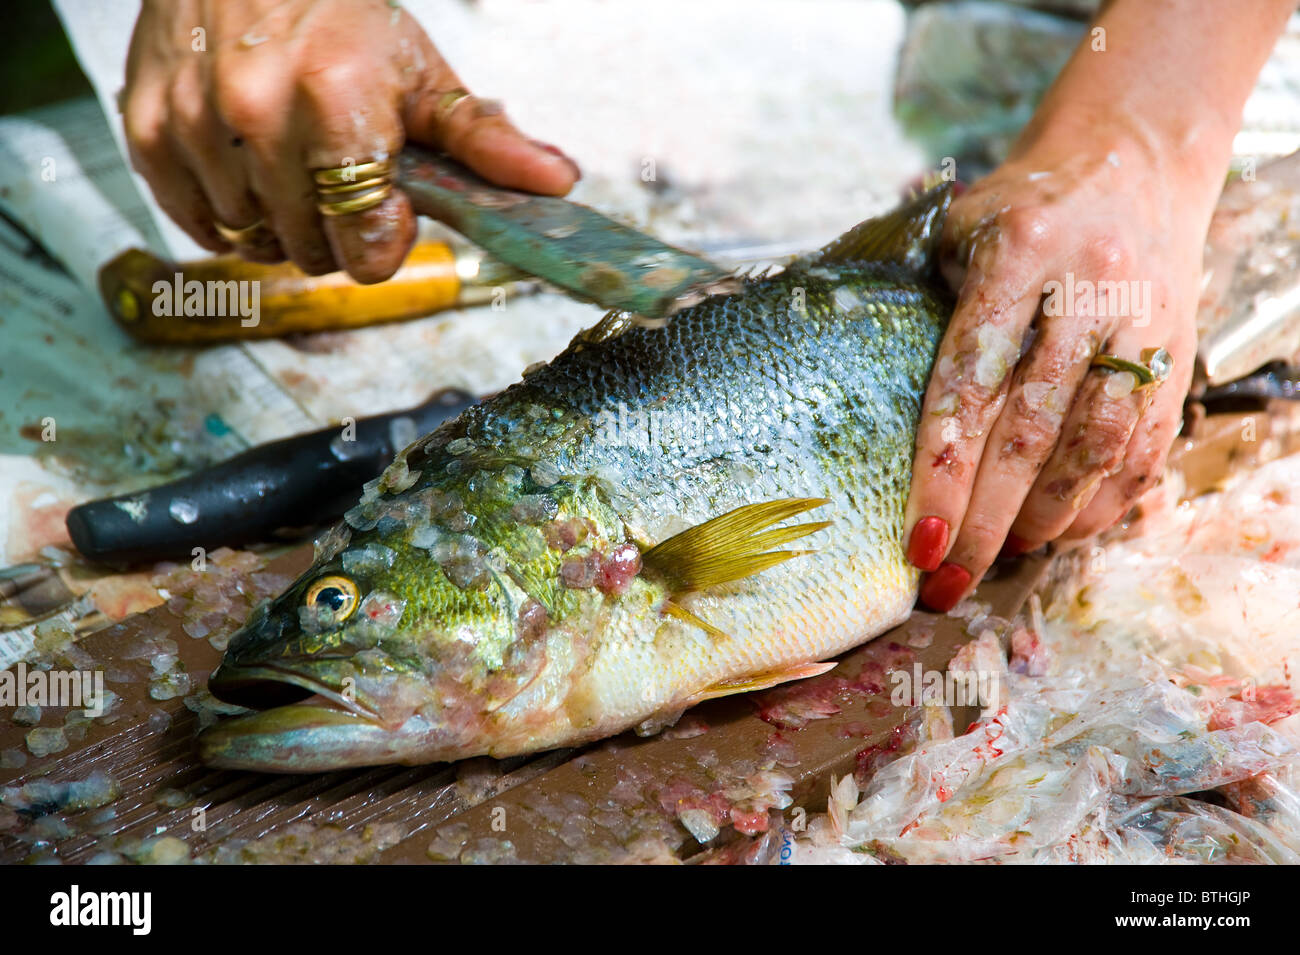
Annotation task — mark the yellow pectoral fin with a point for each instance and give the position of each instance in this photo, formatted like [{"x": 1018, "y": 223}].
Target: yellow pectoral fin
[
  {"x": 762, "y": 681},
  {"x": 732, "y": 546}
]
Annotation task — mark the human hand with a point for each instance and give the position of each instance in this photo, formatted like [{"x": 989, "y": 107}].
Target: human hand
[
  {"x": 1069, "y": 250},
  {"x": 229, "y": 106}
]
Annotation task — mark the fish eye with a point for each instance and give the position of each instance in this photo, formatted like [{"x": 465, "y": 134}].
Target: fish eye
[{"x": 334, "y": 598}]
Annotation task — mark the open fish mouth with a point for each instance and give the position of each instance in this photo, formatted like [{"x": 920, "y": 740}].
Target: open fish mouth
[
  {"x": 304, "y": 725},
  {"x": 263, "y": 686}
]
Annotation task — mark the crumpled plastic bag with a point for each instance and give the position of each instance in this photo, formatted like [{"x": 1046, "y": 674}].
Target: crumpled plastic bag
[{"x": 1139, "y": 721}]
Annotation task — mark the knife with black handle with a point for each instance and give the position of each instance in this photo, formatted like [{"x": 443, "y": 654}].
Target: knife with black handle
[{"x": 293, "y": 483}]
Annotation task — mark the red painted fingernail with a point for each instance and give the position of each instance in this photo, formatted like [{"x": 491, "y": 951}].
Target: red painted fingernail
[
  {"x": 559, "y": 153},
  {"x": 553, "y": 150},
  {"x": 928, "y": 544},
  {"x": 942, "y": 589},
  {"x": 1014, "y": 546}
]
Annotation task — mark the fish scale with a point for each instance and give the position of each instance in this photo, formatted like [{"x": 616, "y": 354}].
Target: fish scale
[
  {"x": 587, "y": 551},
  {"x": 819, "y": 604}
]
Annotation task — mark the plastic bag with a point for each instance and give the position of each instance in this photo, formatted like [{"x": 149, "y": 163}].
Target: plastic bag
[{"x": 1145, "y": 715}]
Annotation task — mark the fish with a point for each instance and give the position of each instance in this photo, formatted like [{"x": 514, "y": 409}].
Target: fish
[{"x": 668, "y": 512}]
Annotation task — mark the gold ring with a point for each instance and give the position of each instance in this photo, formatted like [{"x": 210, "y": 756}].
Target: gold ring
[
  {"x": 351, "y": 187},
  {"x": 354, "y": 187},
  {"x": 358, "y": 203},
  {"x": 1155, "y": 366},
  {"x": 353, "y": 172},
  {"x": 449, "y": 100},
  {"x": 244, "y": 236}
]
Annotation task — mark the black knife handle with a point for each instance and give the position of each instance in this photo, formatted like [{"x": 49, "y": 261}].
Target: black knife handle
[{"x": 296, "y": 482}]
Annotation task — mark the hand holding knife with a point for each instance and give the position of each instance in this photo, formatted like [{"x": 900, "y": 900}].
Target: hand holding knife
[
  {"x": 566, "y": 244},
  {"x": 308, "y": 479}
]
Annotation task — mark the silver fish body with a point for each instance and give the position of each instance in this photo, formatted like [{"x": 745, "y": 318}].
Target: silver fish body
[{"x": 602, "y": 545}]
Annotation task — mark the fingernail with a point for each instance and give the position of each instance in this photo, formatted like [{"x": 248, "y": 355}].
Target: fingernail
[
  {"x": 1014, "y": 546},
  {"x": 560, "y": 154},
  {"x": 928, "y": 544},
  {"x": 942, "y": 589},
  {"x": 487, "y": 107},
  {"x": 553, "y": 150}
]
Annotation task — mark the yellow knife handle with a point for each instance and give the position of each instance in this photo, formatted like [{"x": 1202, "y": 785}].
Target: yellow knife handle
[{"x": 228, "y": 299}]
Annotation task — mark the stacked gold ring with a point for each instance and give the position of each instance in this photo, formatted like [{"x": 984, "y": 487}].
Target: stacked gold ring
[{"x": 345, "y": 190}]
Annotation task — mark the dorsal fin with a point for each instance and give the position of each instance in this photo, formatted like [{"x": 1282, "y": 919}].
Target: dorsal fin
[
  {"x": 907, "y": 236},
  {"x": 612, "y": 324}
]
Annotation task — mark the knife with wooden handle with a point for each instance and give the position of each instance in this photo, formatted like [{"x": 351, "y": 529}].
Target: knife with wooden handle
[{"x": 203, "y": 302}]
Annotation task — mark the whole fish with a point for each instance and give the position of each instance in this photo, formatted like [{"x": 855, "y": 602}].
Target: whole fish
[{"x": 603, "y": 544}]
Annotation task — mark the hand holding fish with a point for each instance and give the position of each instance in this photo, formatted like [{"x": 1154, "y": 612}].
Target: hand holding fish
[
  {"x": 269, "y": 127},
  {"x": 1059, "y": 385}
]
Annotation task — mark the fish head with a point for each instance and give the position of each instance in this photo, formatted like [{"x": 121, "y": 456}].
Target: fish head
[{"x": 414, "y": 634}]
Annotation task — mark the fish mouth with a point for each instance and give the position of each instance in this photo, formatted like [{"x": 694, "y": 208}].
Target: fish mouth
[
  {"x": 313, "y": 736},
  {"x": 265, "y": 686},
  {"x": 304, "y": 725}
]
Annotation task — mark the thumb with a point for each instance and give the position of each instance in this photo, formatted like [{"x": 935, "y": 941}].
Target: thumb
[{"x": 476, "y": 131}]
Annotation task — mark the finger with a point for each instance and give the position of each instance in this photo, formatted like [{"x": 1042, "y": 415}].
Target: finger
[
  {"x": 258, "y": 114},
  {"x": 1145, "y": 460},
  {"x": 289, "y": 195},
  {"x": 1094, "y": 444},
  {"x": 346, "y": 128},
  {"x": 1021, "y": 441},
  {"x": 175, "y": 188},
  {"x": 965, "y": 396},
  {"x": 439, "y": 112},
  {"x": 481, "y": 136},
  {"x": 372, "y": 243},
  {"x": 286, "y": 191},
  {"x": 967, "y": 221},
  {"x": 200, "y": 138}
]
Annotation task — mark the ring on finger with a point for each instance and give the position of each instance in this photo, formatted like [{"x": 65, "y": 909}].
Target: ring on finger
[
  {"x": 255, "y": 234},
  {"x": 448, "y": 101},
  {"x": 1148, "y": 374},
  {"x": 352, "y": 204},
  {"x": 346, "y": 190},
  {"x": 349, "y": 174}
]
